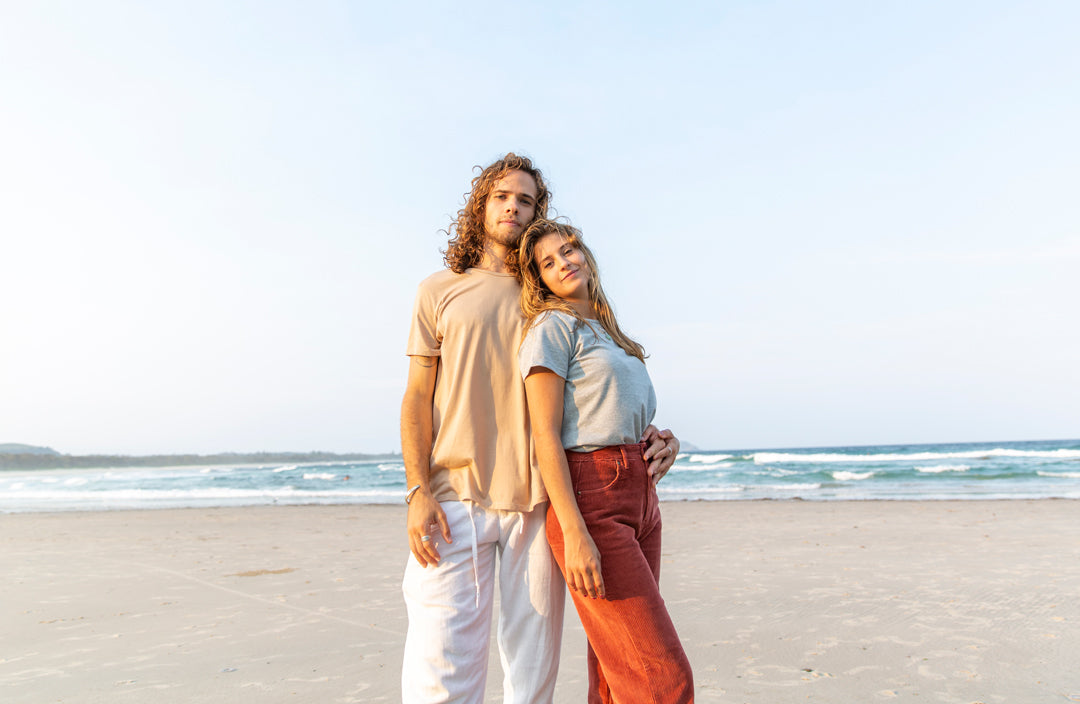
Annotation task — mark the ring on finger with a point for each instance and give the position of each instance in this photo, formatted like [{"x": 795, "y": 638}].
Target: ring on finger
[{"x": 425, "y": 538}]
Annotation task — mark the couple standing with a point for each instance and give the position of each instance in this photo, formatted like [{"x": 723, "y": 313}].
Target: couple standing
[{"x": 526, "y": 422}]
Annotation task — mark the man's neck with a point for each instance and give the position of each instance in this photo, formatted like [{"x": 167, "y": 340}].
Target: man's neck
[{"x": 494, "y": 258}]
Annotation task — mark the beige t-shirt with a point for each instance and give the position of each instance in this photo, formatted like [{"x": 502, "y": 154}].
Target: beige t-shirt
[{"x": 481, "y": 452}]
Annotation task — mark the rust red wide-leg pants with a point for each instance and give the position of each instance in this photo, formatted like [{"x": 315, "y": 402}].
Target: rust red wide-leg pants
[{"x": 634, "y": 652}]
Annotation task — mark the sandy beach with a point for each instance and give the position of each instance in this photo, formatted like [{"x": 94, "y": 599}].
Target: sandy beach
[{"x": 775, "y": 601}]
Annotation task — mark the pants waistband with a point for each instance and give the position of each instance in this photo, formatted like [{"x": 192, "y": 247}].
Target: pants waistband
[{"x": 633, "y": 452}]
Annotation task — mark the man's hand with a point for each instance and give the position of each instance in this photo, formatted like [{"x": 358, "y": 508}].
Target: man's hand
[
  {"x": 425, "y": 518},
  {"x": 661, "y": 453}
]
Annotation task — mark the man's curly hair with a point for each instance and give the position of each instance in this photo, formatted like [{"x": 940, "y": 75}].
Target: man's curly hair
[{"x": 465, "y": 248}]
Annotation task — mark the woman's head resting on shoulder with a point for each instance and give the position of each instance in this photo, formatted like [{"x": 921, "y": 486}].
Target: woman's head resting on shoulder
[
  {"x": 559, "y": 272},
  {"x": 556, "y": 264}
]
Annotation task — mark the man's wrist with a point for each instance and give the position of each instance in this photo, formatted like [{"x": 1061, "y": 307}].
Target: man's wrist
[{"x": 411, "y": 493}]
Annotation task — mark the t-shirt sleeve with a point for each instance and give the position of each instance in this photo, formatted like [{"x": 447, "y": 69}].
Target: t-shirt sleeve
[
  {"x": 424, "y": 338},
  {"x": 549, "y": 343}
]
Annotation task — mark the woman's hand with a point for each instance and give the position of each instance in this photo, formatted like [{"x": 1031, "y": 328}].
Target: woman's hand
[{"x": 582, "y": 564}]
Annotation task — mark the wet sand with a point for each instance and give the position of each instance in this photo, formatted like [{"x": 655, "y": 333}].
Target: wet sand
[{"x": 775, "y": 601}]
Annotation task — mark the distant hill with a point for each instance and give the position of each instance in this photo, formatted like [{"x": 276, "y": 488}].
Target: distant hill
[{"x": 14, "y": 448}]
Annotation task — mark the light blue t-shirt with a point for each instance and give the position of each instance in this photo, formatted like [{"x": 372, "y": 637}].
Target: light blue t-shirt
[{"x": 608, "y": 399}]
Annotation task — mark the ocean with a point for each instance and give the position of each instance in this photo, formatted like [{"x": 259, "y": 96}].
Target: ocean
[{"x": 991, "y": 470}]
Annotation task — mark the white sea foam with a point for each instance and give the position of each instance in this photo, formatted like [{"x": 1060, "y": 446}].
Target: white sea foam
[
  {"x": 938, "y": 469},
  {"x": 1065, "y": 475},
  {"x": 286, "y": 468},
  {"x": 702, "y": 467},
  {"x": 821, "y": 457},
  {"x": 702, "y": 490},
  {"x": 851, "y": 476},
  {"x": 160, "y": 498},
  {"x": 384, "y": 467},
  {"x": 320, "y": 475},
  {"x": 775, "y": 472},
  {"x": 704, "y": 458},
  {"x": 789, "y": 487}
]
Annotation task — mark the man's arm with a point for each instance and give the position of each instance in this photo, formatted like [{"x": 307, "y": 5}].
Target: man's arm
[{"x": 425, "y": 514}]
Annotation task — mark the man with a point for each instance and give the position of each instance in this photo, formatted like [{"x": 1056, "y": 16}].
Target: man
[{"x": 473, "y": 491}]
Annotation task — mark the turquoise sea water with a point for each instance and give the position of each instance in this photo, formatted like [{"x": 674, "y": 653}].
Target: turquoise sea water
[{"x": 992, "y": 470}]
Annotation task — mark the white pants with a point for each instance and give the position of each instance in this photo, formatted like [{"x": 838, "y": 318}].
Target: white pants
[{"x": 450, "y": 608}]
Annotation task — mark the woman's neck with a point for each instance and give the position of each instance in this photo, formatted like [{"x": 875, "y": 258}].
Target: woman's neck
[{"x": 583, "y": 308}]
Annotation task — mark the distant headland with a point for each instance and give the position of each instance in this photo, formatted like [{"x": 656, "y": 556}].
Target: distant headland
[{"x": 19, "y": 456}]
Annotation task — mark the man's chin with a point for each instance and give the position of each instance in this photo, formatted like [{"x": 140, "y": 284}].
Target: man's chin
[{"x": 508, "y": 239}]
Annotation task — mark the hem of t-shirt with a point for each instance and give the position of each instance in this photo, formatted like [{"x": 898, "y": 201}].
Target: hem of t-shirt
[
  {"x": 526, "y": 374},
  {"x": 486, "y": 503}
]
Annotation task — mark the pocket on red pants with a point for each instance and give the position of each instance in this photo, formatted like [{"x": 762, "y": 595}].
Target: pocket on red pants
[{"x": 595, "y": 476}]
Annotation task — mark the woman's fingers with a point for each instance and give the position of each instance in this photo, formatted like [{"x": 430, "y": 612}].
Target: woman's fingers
[
  {"x": 587, "y": 582},
  {"x": 597, "y": 585}
]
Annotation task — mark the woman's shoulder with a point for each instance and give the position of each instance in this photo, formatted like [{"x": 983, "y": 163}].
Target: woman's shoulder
[
  {"x": 553, "y": 325},
  {"x": 553, "y": 316}
]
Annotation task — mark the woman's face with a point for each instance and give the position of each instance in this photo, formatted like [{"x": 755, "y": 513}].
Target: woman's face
[{"x": 563, "y": 268}]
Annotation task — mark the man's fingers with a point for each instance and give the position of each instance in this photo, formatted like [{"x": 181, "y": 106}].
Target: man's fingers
[
  {"x": 654, "y": 449},
  {"x": 444, "y": 526},
  {"x": 418, "y": 551}
]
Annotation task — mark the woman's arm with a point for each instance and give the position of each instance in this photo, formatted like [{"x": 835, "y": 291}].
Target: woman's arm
[{"x": 544, "y": 391}]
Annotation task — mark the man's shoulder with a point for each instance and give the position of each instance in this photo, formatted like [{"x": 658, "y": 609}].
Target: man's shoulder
[
  {"x": 445, "y": 280},
  {"x": 442, "y": 277}
]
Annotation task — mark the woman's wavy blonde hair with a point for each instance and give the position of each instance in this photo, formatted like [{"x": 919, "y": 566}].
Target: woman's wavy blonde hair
[
  {"x": 536, "y": 297},
  {"x": 465, "y": 248}
]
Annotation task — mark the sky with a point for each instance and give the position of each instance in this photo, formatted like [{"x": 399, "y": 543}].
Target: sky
[{"x": 829, "y": 223}]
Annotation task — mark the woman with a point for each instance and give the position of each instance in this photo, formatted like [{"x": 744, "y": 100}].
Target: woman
[{"x": 590, "y": 399}]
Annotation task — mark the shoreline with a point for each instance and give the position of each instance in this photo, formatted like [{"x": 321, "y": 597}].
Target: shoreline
[
  {"x": 663, "y": 502},
  {"x": 775, "y": 600}
]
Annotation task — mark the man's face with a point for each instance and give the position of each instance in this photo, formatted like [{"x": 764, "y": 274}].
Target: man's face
[{"x": 510, "y": 208}]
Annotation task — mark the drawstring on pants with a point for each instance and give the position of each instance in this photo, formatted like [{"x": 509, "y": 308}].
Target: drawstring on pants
[
  {"x": 475, "y": 552},
  {"x": 475, "y": 544}
]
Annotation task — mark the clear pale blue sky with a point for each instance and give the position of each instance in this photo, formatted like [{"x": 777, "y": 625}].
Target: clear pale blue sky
[{"x": 829, "y": 223}]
